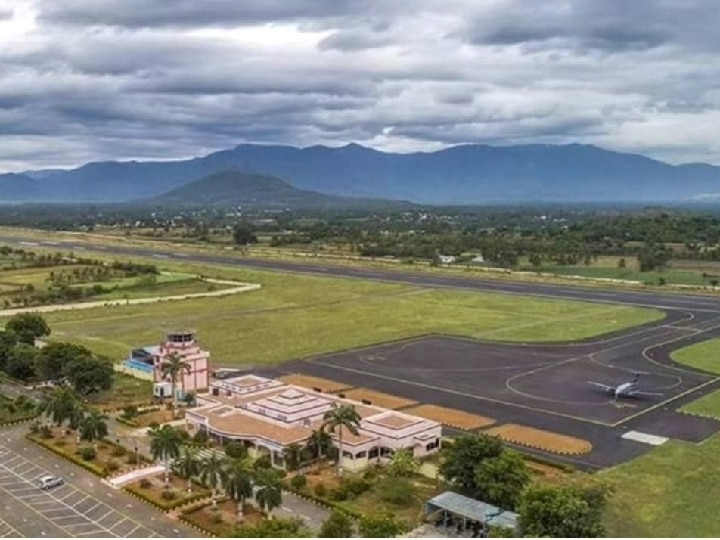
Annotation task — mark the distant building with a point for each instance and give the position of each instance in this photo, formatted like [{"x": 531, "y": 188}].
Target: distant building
[
  {"x": 267, "y": 415},
  {"x": 447, "y": 259}
]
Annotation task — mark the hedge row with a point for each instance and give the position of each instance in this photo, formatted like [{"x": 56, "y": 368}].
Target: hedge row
[
  {"x": 127, "y": 422},
  {"x": 76, "y": 460},
  {"x": 164, "y": 505}
]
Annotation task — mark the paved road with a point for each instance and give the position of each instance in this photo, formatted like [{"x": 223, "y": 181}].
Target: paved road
[
  {"x": 672, "y": 301},
  {"x": 83, "y": 507}
]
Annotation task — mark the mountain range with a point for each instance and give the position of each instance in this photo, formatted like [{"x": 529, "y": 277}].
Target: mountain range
[{"x": 465, "y": 174}]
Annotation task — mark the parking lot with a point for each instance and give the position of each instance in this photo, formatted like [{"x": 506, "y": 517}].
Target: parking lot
[{"x": 83, "y": 507}]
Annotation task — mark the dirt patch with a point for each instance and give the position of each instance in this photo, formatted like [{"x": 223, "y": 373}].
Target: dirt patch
[
  {"x": 156, "y": 487},
  {"x": 306, "y": 381},
  {"x": 379, "y": 399},
  {"x": 161, "y": 416},
  {"x": 451, "y": 417},
  {"x": 542, "y": 440},
  {"x": 223, "y": 519}
]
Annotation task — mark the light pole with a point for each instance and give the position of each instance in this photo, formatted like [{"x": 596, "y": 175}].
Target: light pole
[{"x": 137, "y": 457}]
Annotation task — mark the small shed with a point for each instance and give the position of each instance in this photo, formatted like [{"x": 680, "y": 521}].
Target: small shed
[{"x": 471, "y": 510}]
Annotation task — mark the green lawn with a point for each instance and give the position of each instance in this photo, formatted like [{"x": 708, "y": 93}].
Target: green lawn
[
  {"x": 670, "y": 492},
  {"x": 295, "y": 315},
  {"x": 704, "y": 355}
]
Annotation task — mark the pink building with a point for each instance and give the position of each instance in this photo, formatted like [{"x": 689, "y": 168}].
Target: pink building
[
  {"x": 267, "y": 415},
  {"x": 186, "y": 347}
]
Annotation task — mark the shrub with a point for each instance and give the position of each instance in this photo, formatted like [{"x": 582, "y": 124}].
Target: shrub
[
  {"x": 184, "y": 435},
  {"x": 216, "y": 519},
  {"x": 87, "y": 453},
  {"x": 235, "y": 450},
  {"x": 263, "y": 462},
  {"x": 132, "y": 459},
  {"x": 35, "y": 427},
  {"x": 154, "y": 425},
  {"x": 320, "y": 489},
  {"x": 356, "y": 486},
  {"x": 112, "y": 465},
  {"x": 299, "y": 482},
  {"x": 46, "y": 432},
  {"x": 339, "y": 494},
  {"x": 168, "y": 495},
  {"x": 200, "y": 437},
  {"x": 145, "y": 483},
  {"x": 118, "y": 451},
  {"x": 130, "y": 411}
]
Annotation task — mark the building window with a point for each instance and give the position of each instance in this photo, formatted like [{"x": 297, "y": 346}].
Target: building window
[
  {"x": 360, "y": 455},
  {"x": 373, "y": 453},
  {"x": 432, "y": 445}
]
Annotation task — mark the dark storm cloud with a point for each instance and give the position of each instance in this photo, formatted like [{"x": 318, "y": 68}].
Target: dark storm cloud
[{"x": 104, "y": 79}]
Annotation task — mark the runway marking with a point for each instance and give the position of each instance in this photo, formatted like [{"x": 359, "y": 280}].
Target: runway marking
[{"x": 460, "y": 393}]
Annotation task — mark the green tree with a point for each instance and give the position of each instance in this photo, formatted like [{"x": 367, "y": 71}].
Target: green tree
[
  {"x": 562, "y": 512},
  {"x": 294, "y": 455},
  {"x": 28, "y": 327},
  {"x": 501, "y": 480},
  {"x": 59, "y": 405},
  {"x": 403, "y": 464},
  {"x": 384, "y": 526},
  {"x": 21, "y": 362},
  {"x": 464, "y": 455},
  {"x": 55, "y": 355},
  {"x": 268, "y": 492},
  {"x": 337, "y": 525},
  {"x": 338, "y": 419},
  {"x": 94, "y": 426},
  {"x": 238, "y": 482},
  {"x": 212, "y": 474},
  {"x": 173, "y": 368},
  {"x": 8, "y": 340},
  {"x": 235, "y": 450},
  {"x": 243, "y": 235},
  {"x": 319, "y": 444},
  {"x": 89, "y": 374},
  {"x": 188, "y": 465},
  {"x": 165, "y": 444}
]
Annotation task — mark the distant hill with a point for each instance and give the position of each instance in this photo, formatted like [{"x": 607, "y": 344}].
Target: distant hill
[
  {"x": 18, "y": 188},
  {"x": 247, "y": 189},
  {"x": 466, "y": 174}
]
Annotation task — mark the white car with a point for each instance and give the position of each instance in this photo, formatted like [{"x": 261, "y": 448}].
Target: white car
[{"x": 49, "y": 482}]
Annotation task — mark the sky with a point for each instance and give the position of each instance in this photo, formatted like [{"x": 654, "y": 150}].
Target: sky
[{"x": 87, "y": 80}]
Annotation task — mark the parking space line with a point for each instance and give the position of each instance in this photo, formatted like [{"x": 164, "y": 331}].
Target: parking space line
[{"x": 132, "y": 531}]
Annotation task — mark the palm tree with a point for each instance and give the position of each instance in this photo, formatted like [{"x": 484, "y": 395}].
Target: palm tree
[
  {"x": 238, "y": 482},
  {"x": 188, "y": 465},
  {"x": 212, "y": 474},
  {"x": 269, "y": 492},
  {"x": 342, "y": 417},
  {"x": 294, "y": 455},
  {"x": 24, "y": 404},
  {"x": 94, "y": 426},
  {"x": 319, "y": 444},
  {"x": 174, "y": 367},
  {"x": 59, "y": 405},
  {"x": 165, "y": 445},
  {"x": 11, "y": 408}
]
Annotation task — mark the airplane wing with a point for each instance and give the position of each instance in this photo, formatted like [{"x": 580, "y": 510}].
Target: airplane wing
[
  {"x": 641, "y": 393},
  {"x": 603, "y": 386}
]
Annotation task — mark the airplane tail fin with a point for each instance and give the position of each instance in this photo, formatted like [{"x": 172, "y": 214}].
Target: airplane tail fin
[{"x": 637, "y": 377}]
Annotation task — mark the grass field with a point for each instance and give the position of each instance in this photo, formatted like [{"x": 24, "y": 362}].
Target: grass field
[
  {"x": 670, "y": 492},
  {"x": 706, "y": 356},
  {"x": 294, "y": 315}
]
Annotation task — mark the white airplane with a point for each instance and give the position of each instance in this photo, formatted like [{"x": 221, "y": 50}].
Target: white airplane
[{"x": 626, "y": 389}]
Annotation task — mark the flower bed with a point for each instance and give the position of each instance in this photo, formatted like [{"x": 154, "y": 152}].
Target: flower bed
[
  {"x": 154, "y": 492},
  {"x": 542, "y": 440},
  {"x": 306, "y": 381},
  {"x": 451, "y": 417},
  {"x": 222, "y": 520},
  {"x": 68, "y": 452},
  {"x": 379, "y": 399}
]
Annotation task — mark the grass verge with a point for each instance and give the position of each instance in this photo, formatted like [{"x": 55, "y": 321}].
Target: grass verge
[
  {"x": 669, "y": 492},
  {"x": 706, "y": 356}
]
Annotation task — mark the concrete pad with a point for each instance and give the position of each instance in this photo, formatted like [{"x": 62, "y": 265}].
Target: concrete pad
[
  {"x": 653, "y": 440},
  {"x": 133, "y": 476}
]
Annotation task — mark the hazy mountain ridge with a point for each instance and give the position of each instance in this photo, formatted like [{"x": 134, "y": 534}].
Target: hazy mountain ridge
[{"x": 465, "y": 174}]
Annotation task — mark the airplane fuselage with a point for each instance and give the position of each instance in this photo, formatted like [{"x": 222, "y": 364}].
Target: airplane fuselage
[{"x": 625, "y": 388}]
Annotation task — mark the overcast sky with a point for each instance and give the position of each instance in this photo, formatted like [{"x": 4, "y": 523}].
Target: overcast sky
[{"x": 85, "y": 80}]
